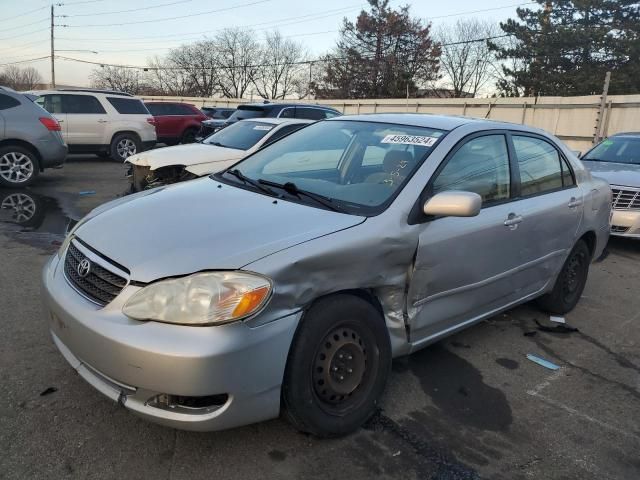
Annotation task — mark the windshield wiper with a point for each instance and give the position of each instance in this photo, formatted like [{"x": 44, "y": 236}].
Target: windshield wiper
[
  {"x": 250, "y": 181},
  {"x": 293, "y": 189}
]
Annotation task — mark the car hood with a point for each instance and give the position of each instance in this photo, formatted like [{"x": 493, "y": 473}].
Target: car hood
[
  {"x": 622, "y": 174},
  {"x": 191, "y": 154},
  {"x": 201, "y": 225}
]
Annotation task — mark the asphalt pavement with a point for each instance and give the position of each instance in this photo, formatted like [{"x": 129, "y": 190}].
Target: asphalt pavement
[{"x": 471, "y": 406}]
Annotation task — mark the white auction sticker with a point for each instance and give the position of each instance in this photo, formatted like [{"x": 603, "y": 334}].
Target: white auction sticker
[
  {"x": 262, "y": 127},
  {"x": 410, "y": 140}
]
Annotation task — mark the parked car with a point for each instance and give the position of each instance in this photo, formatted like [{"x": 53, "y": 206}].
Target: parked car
[
  {"x": 269, "y": 110},
  {"x": 218, "y": 113},
  {"x": 30, "y": 140},
  {"x": 291, "y": 279},
  {"x": 176, "y": 122},
  {"x": 617, "y": 160},
  {"x": 103, "y": 122},
  {"x": 218, "y": 151}
]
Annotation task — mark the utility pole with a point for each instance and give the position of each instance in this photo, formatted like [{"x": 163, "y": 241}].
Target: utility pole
[
  {"x": 53, "y": 64},
  {"x": 597, "y": 136}
]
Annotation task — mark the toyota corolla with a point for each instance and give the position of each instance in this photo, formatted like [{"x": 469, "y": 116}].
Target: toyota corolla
[{"x": 291, "y": 279}]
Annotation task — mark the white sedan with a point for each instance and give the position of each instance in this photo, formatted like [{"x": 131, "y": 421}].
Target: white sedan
[{"x": 163, "y": 166}]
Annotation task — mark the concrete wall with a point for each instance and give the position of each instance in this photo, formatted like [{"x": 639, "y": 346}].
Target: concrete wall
[{"x": 572, "y": 119}]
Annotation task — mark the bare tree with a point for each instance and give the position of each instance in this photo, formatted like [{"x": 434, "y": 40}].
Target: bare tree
[
  {"x": 196, "y": 67},
  {"x": 238, "y": 53},
  {"x": 117, "y": 78},
  {"x": 279, "y": 72},
  {"x": 165, "y": 78},
  {"x": 20, "y": 78},
  {"x": 467, "y": 62}
]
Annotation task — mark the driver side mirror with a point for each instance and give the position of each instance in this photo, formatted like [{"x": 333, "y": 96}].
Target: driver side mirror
[{"x": 453, "y": 204}]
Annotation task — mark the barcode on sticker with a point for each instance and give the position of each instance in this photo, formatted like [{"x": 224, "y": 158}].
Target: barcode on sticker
[
  {"x": 410, "y": 140},
  {"x": 262, "y": 127}
]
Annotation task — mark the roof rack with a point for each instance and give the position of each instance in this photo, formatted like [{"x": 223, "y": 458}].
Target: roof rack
[{"x": 94, "y": 90}]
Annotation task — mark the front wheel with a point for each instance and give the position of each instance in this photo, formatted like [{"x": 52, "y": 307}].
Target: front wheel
[
  {"x": 570, "y": 282},
  {"x": 124, "y": 145},
  {"x": 18, "y": 166},
  {"x": 337, "y": 367},
  {"x": 189, "y": 136}
]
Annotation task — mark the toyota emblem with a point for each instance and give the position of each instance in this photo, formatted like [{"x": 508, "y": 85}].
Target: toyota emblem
[{"x": 84, "y": 267}]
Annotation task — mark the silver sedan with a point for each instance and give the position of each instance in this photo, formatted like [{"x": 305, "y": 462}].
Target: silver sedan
[{"x": 291, "y": 279}]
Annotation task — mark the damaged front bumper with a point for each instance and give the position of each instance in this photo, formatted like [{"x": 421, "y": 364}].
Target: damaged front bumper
[
  {"x": 143, "y": 178},
  {"x": 192, "y": 378}
]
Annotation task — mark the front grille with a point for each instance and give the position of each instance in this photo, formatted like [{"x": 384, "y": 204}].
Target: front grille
[
  {"x": 101, "y": 286},
  {"x": 626, "y": 198},
  {"x": 618, "y": 229}
]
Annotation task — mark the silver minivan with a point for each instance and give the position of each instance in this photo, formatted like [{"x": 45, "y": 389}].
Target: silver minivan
[{"x": 290, "y": 280}]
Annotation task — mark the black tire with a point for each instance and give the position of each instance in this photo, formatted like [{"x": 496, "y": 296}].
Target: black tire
[
  {"x": 124, "y": 145},
  {"x": 337, "y": 367},
  {"x": 570, "y": 282},
  {"x": 19, "y": 166},
  {"x": 189, "y": 135}
]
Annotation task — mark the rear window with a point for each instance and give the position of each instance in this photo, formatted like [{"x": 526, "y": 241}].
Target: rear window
[
  {"x": 128, "y": 106},
  {"x": 616, "y": 150},
  {"x": 243, "y": 113},
  {"x": 7, "y": 102}
]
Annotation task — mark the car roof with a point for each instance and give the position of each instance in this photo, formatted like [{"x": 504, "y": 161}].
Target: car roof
[
  {"x": 80, "y": 91},
  {"x": 277, "y": 121},
  {"x": 626, "y": 134},
  {"x": 270, "y": 105},
  {"x": 168, "y": 103}
]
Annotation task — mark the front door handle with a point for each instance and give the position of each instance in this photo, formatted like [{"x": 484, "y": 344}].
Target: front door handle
[
  {"x": 102, "y": 121},
  {"x": 513, "y": 221},
  {"x": 575, "y": 202}
]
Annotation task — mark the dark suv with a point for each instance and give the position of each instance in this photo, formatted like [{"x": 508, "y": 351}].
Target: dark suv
[
  {"x": 270, "y": 110},
  {"x": 30, "y": 139},
  {"x": 176, "y": 122}
]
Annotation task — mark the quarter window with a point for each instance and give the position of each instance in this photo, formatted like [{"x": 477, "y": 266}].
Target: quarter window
[
  {"x": 481, "y": 166},
  {"x": 128, "y": 106},
  {"x": 540, "y": 166},
  {"x": 8, "y": 102}
]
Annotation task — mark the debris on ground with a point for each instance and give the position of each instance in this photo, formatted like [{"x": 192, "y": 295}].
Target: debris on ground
[
  {"x": 556, "y": 329},
  {"x": 48, "y": 391},
  {"x": 531, "y": 333},
  {"x": 557, "y": 319},
  {"x": 542, "y": 362},
  {"x": 87, "y": 192}
]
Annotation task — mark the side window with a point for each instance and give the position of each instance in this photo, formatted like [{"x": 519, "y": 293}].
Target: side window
[
  {"x": 51, "y": 103},
  {"x": 310, "y": 113},
  {"x": 539, "y": 163},
  {"x": 567, "y": 175},
  {"x": 81, "y": 104},
  {"x": 330, "y": 114},
  {"x": 482, "y": 166},
  {"x": 8, "y": 102},
  {"x": 128, "y": 106},
  {"x": 283, "y": 132},
  {"x": 155, "y": 109},
  {"x": 287, "y": 112}
]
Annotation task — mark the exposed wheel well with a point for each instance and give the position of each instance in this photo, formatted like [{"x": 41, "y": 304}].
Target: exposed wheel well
[
  {"x": 125, "y": 131},
  {"x": 591, "y": 241},
  {"x": 23, "y": 144},
  {"x": 362, "y": 293}
]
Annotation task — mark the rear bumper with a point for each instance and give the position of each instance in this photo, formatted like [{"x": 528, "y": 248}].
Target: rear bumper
[
  {"x": 52, "y": 152},
  {"x": 626, "y": 223},
  {"x": 134, "y": 362}
]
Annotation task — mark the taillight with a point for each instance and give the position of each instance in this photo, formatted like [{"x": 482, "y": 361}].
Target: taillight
[
  {"x": 51, "y": 124},
  {"x": 152, "y": 121}
]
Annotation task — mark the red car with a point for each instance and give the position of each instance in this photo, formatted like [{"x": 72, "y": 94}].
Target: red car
[{"x": 176, "y": 122}]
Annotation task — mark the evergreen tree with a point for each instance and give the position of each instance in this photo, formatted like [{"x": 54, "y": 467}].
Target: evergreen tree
[
  {"x": 566, "y": 47},
  {"x": 382, "y": 55}
]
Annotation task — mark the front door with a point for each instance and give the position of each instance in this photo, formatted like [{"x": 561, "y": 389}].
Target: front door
[
  {"x": 467, "y": 267},
  {"x": 86, "y": 120}
]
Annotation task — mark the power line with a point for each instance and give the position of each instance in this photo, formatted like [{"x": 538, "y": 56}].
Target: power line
[
  {"x": 480, "y": 11},
  {"x": 23, "y": 14},
  {"x": 123, "y": 11},
  {"x": 24, "y": 61},
  {"x": 24, "y": 34},
  {"x": 25, "y": 25},
  {"x": 168, "y": 18}
]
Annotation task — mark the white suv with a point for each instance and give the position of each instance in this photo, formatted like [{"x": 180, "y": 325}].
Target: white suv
[{"x": 103, "y": 122}]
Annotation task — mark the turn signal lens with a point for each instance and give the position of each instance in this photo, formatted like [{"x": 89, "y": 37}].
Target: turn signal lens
[{"x": 250, "y": 301}]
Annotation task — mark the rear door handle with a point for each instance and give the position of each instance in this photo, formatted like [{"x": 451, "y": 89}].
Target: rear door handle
[
  {"x": 513, "y": 221},
  {"x": 102, "y": 121},
  {"x": 575, "y": 202}
]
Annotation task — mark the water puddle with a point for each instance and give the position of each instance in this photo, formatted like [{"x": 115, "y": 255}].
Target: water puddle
[{"x": 36, "y": 219}]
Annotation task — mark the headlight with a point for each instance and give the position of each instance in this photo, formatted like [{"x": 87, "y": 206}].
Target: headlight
[{"x": 209, "y": 298}]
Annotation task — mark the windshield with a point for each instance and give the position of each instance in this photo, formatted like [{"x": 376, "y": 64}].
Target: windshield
[
  {"x": 240, "y": 135},
  {"x": 359, "y": 166},
  {"x": 242, "y": 113},
  {"x": 616, "y": 149}
]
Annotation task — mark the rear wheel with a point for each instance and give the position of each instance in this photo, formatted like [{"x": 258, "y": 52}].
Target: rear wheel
[
  {"x": 189, "y": 136},
  {"x": 18, "y": 166},
  {"x": 337, "y": 368},
  {"x": 124, "y": 145},
  {"x": 570, "y": 282}
]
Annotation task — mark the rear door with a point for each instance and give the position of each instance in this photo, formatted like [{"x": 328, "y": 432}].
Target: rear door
[
  {"x": 86, "y": 119},
  {"x": 467, "y": 267},
  {"x": 549, "y": 207},
  {"x": 52, "y": 103}
]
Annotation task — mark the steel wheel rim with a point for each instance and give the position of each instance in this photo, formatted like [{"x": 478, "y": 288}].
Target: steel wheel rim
[
  {"x": 16, "y": 167},
  {"x": 23, "y": 206},
  {"x": 575, "y": 267},
  {"x": 126, "y": 147},
  {"x": 339, "y": 367}
]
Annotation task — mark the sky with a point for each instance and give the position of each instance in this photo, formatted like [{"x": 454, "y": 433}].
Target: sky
[{"x": 107, "y": 31}]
